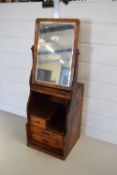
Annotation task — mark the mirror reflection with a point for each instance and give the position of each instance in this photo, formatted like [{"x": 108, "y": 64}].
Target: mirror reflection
[{"x": 55, "y": 49}]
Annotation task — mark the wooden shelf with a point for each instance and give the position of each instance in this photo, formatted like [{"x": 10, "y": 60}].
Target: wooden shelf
[{"x": 51, "y": 91}]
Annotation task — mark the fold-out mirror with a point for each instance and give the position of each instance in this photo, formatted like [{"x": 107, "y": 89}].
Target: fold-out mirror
[{"x": 55, "y": 43}]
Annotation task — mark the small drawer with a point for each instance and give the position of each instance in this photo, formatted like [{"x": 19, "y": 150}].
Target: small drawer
[
  {"x": 38, "y": 122},
  {"x": 55, "y": 143},
  {"x": 46, "y": 133}
]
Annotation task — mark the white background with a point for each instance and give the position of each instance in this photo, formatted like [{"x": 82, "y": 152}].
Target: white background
[{"x": 97, "y": 62}]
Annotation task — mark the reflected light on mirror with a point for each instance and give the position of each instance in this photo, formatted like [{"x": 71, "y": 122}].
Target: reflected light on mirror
[
  {"x": 41, "y": 43},
  {"x": 49, "y": 48},
  {"x": 55, "y": 38},
  {"x": 61, "y": 61},
  {"x": 41, "y": 40}
]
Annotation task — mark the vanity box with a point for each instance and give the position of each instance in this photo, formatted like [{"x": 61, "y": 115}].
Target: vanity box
[{"x": 55, "y": 102}]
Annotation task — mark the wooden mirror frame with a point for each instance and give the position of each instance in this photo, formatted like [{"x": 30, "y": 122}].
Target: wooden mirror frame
[{"x": 75, "y": 47}]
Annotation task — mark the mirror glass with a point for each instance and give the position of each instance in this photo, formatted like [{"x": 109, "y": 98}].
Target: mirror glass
[{"x": 55, "y": 50}]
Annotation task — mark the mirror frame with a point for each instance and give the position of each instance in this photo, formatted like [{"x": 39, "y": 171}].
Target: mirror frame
[{"x": 75, "y": 47}]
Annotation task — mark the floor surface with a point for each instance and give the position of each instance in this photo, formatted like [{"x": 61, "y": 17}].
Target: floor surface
[{"x": 88, "y": 157}]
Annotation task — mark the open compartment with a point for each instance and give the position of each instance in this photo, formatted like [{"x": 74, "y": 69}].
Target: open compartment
[{"x": 50, "y": 110}]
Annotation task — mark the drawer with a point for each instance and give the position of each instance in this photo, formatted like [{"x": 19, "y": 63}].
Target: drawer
[
  {"x": 38, "y": 122},
  {"x": 55, "y": 143},
  {"x": 46, "y": 133}
]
